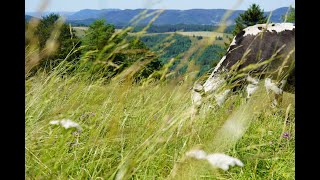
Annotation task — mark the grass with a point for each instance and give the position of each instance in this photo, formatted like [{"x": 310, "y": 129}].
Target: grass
[
  {"x": 132, "y": 131},
  {"x": 143, "y": 132}
]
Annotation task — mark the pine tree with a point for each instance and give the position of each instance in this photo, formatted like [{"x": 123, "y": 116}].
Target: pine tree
[
  {"x": 97, "y": 35},
  {"x": 254, "y": 15}
]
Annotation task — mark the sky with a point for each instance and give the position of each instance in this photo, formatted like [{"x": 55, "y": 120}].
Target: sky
[{"x": 76, "y": 5}]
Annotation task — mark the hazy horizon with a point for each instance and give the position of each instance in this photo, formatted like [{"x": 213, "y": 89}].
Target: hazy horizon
[
  {"x": 77, "y": 5},
  {"x": 145, "y": 8}
]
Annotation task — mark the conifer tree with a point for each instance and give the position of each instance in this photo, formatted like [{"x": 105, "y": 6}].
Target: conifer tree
[{"x": 253, "y": 15}]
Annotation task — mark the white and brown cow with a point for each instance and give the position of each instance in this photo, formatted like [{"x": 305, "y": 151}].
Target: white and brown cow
[{"x": 262, "y": 51}]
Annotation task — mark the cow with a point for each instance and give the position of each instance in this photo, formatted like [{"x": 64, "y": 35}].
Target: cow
[{"x": 262, "y": 51}]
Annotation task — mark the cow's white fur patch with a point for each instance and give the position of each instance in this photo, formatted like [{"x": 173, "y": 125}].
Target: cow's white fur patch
[
  {"x": 220, "y": 98},
  {"x": 218, "y": 66},
  {"x": 198, "y": 87},
  {"x": 272, "y": 86},
  {"x": 251, "y": 88},
  {"x": 283, "y": 83},
  {"x": 232, "y": 43},
  {"x": 212, "y": 84},
  {"x": 274, "y": 103},
  {"x": 196, "y": 98},
  {"x": 214, "y": 81},
  {"x": 278, "y": 27},
  {"x": 252, "y": 80}
]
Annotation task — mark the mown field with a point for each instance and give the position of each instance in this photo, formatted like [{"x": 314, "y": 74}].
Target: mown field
[
  {"x": 198, "y": 35},
  {"x": 80, "y": 31}
]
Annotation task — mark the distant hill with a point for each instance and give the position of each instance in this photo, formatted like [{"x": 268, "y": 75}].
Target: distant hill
[
  {"x": 37, "y": 15},
  {"x": 277, "y": 13},
  {"x": 28, "y": 18},
  {"x": 168, "y": 17},
  {"x": 89, "y": 14},
  {"x": 123, "y": 17}
]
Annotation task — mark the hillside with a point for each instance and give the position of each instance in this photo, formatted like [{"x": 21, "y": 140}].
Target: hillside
[
  {"x": 27, "y": 17},
  {"x": 106, "y": 103},
  {"x": 193, "y": 16},
  {"x": 37, "y": 15}
]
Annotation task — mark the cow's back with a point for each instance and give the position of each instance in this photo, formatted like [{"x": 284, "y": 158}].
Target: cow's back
[
  {"x": 259, "y": 51},
  {"x": 256, "y": 44}
]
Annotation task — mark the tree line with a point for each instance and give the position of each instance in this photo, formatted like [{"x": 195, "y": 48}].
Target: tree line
[{"x": 179, "y": 27}]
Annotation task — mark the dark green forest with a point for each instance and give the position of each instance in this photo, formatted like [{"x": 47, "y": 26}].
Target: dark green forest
[
  {"x": 105, "y": 52},
  {"x": 179, "y": 27},
  {"x": 206, "y": 60}
]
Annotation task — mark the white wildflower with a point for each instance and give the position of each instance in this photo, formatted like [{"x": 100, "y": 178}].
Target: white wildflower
[
  {"x": 66, "y": 123},
  {"x": 219, "y": 160},
  {"x": 223, "y": 161},
  {"x": 55, "y": 122},
  {"x": 272, "y": 86}
]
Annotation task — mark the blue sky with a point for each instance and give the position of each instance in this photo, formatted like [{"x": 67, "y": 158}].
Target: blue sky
[{"x": 76, "y": 5}]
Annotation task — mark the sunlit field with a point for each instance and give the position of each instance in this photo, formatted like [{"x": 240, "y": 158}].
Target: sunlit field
[
  {"x": 80, "y": 31},
  {"x": 144, "y": 132}
]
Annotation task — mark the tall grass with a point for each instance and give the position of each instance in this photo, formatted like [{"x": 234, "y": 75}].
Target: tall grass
[
  {"x": 131, "y": 131},
  {"x": 144, "y": 132}
]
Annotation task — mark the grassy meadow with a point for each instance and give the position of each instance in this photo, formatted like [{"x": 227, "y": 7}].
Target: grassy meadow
[{"x": 143, "y": 130}]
